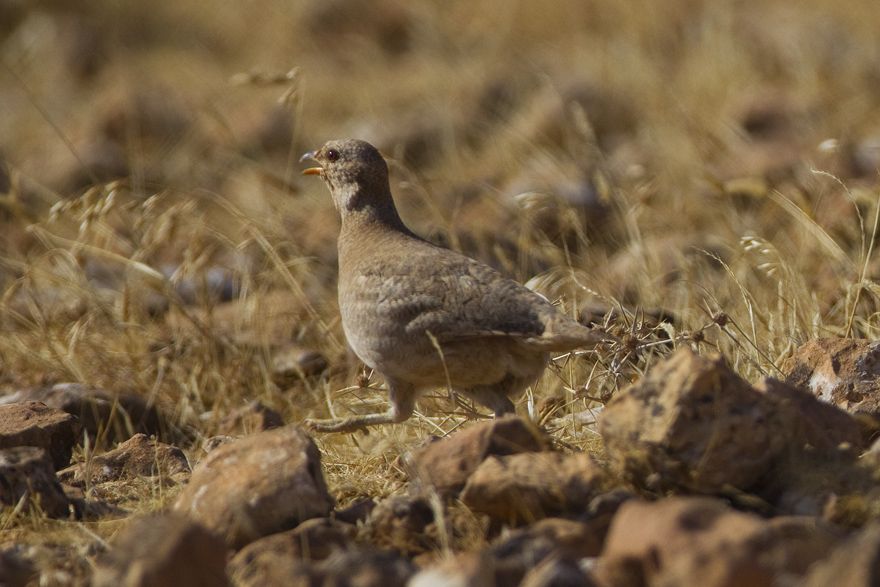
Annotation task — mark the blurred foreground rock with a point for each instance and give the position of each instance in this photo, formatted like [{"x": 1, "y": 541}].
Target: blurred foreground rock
[
  {"x": 274, "y": 559},
  {"x": 701, "y": 541},
  {"x": 36, "y": 424},
  {"x": 167, "y": 550},
  {"x": 854, "y": 563},
  {"x": 446, "y": 464},
  {"x": 137, "y": 456},
  {"x": 26, "y": 473},
  {"x": 263, "y": 483}
]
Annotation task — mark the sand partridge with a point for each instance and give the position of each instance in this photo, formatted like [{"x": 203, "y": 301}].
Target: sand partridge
[{"x": 421, "y": 315}]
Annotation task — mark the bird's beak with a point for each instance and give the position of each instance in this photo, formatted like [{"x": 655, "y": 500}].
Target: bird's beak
[{"x": 311, "y": 170}]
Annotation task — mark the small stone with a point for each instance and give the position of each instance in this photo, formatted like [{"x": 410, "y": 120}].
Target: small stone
[
  {"x": 163, "y": 549},
  {"x": 36, "y": 424},
  {"x": 401, "y": 523},
  {"x": 138, "y": 456},
  {"x": 260, "y": 484},
  {"x": 692, "y": 422},
  {"x": 291, "y": 363},
  {"x": 446, "y": 464},
  {"x": 26, "y": 472},
  {"x": 253, "y": 417},
  {"x": 530, "y": 486}
]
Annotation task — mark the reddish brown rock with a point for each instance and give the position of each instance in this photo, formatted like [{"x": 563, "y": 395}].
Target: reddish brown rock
[
  {"x": 36, "y": 424},
  {"x": 100, "y": 412},
  {"x": 253, "y": 417},
  {"x": 701, "y": 541},
  {"x": 557, "y": 572},
  {"x": 15, "y": 569},
  {"x": 137, "y": 456},
  {"x": 817, "y": 426},
  {"x": 841, "y": 371},
  {"x": 274, "y": 558},
  {"x": 163, "y": 550},
  {"x": 854, "y": 563},
  {"x": 26, "y": 473},
  {"x": 530, "y": 486},
  {"x": 692, "y": 422},
  {"x": 257, "y": 485},
  {"x": 447, "y": 463}
]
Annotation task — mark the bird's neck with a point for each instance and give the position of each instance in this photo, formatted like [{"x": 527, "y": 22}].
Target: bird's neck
[{"x": 365, "y": 209}]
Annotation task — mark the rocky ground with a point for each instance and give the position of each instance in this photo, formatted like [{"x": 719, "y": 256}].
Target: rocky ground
[{"x": 700, "y": 179}]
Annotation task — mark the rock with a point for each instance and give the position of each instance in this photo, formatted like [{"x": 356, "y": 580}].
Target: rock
[
  {"x": 363, "y": 568},
  {"x": 818, "y": 426},
  {"x": 138, "y": 456},
  {"x": 163, "y": 550},
  {"x": 551, "y": 538},
  {"x": 465, "y": 569},
  {"x": 16, "y": 570},
  {"x": 36, "y": 424},
  {"x": 557, "y": 572},
  {"x": 841, "y": 371},
  {"x": 253, "y": 417},
  {"x": 530, "y": 486},
  {"x": 701, "y": 541},
  {"x": 854, "y": 563},
  {"x": 100, "y": 412},
  {"x": 402, "y": 523},
  {"x": 26, "y": 472},
  {"x": 291, "y": 363},
  {"x": 269, "y": 560},
  {"x": 257, "y": 485},
  {"x": 692, "y": 422},
  {"x": 446, "y": 464}
]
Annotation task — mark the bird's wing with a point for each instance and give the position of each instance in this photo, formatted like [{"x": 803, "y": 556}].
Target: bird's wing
[{"x": 457, "y": 298}]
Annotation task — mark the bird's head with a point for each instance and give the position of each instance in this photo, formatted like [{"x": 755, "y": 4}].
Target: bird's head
[{"x": 355, "y": 172}]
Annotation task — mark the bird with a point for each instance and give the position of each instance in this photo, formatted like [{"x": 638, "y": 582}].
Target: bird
[{"x": 423, "y": 316}]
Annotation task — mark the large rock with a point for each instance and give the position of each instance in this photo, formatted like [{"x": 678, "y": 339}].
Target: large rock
[
  {"x": 26, "y": 472},
  {"x": 260, "y": 484},
  {"x": 530, "y": 486},
  {"x": 137, "y": 456},
  {"x": 36, "y": 424},
  {"x": 842, "y": 371},
  {"x": 446, "y": 464},
  {"x": 100, "y": 412},
  {"x": 272, "y": 560},
  {"x": 402, "y": 523},
  {"x": 701, "y": 541},
  {"x": 165, "y": 550},
  {"x": 818, "y": 426},
  {"x": 855, "y": 563},
  {"x": 692, "y": 422}
]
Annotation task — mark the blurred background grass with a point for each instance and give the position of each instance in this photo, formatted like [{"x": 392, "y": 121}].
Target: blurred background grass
[{"x": 714, "y": 163}]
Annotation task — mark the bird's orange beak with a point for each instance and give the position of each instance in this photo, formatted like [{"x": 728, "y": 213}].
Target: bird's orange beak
[{"x": 311, "y": 170}]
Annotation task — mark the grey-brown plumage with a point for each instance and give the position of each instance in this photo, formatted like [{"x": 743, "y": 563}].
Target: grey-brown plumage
[{"x": 424, "y": 316}]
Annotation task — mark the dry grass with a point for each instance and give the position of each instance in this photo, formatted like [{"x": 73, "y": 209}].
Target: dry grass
[{"x": 711, "y": 160}]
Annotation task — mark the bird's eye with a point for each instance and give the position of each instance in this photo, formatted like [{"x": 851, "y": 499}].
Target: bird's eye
[{"x": 332, "y": 155}]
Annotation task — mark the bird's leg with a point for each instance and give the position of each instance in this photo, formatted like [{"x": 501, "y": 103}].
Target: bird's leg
[{"x": 403, "y": 400}]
